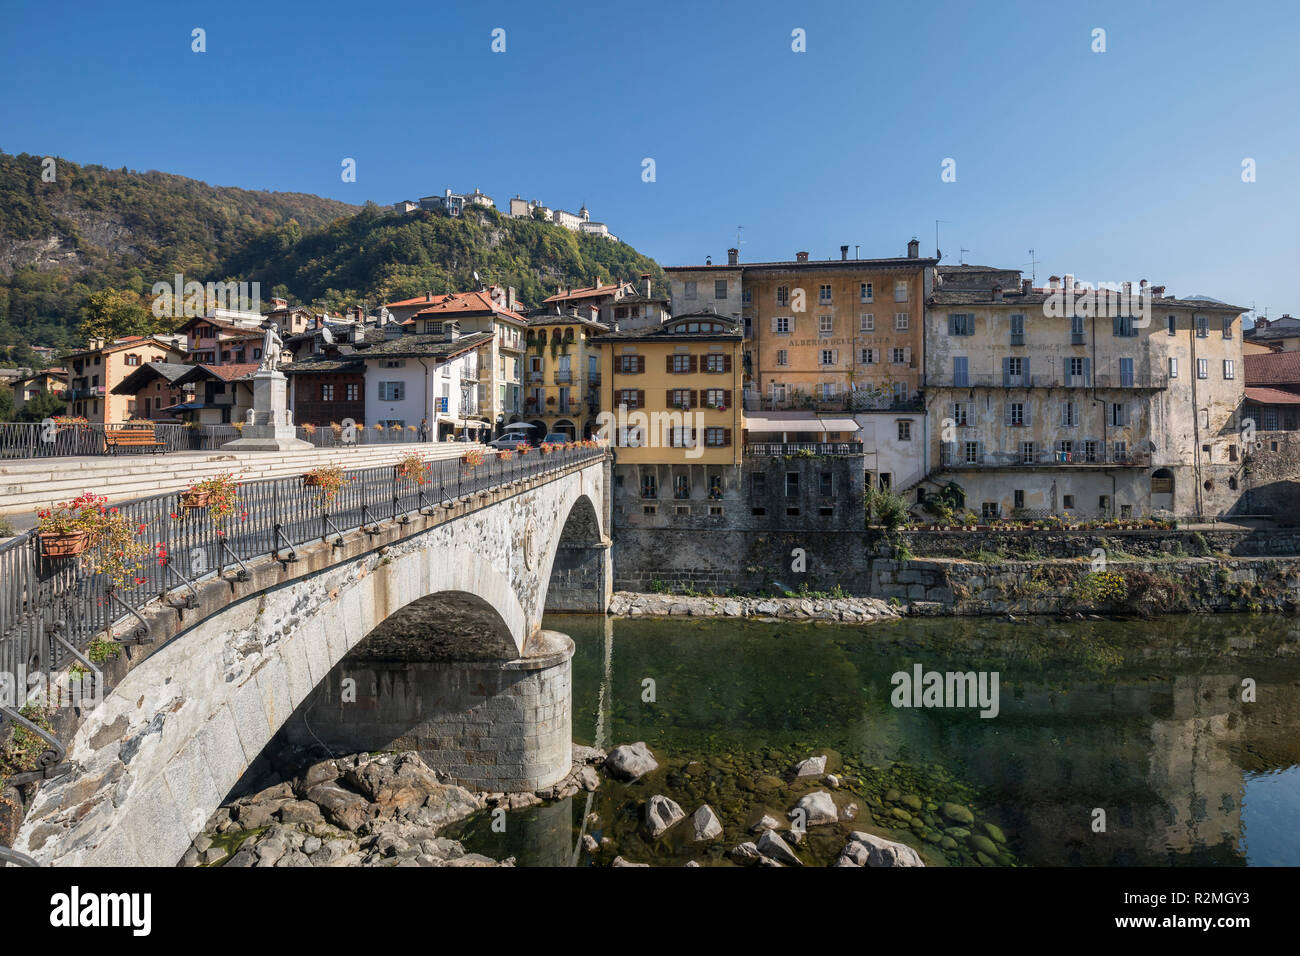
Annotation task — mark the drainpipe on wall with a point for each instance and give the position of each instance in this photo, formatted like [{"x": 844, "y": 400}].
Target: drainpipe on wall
[
  {"x": 431, "y": 418},
  {"x": 1196, "y": 425}
]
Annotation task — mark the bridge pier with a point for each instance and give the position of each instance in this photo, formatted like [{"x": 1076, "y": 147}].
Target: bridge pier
[
  {"x": 490, "y": 725},
  {"x": 582, "y": 578}
]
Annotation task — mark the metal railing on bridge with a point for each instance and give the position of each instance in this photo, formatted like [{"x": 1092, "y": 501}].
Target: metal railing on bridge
[{"x": 52, "y": 608}]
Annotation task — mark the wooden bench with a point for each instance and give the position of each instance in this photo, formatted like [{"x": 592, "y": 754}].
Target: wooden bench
[{"x": 134, "y": 437}]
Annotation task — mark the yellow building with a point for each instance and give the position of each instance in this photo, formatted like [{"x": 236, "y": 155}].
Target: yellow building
[
  {"x": 562, "y": 373},
  {"x": 673, "y": 416},
  {"x": 95, "y": 371}
]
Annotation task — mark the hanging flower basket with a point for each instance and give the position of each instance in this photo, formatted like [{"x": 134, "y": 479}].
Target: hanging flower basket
[
  {"x": 472, "y": 459},
  {"x": 195, "y": 499},
  {"x": 64, "y": 544}
]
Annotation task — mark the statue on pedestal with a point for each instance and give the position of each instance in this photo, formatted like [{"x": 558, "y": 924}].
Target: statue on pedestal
[{"x": 272, "y": 345}]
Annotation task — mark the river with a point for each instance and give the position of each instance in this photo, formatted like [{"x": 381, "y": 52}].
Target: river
[{"x": 1139, "y": 727}]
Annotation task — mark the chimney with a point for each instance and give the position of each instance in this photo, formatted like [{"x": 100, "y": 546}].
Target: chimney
[
  {"x": 277, "y": 304},
  {"x": 357, "y": 333},
  {"x": 844, "y": 253},
  {"x": 1127, "y": 288},
  {"x": 320, "y": 322},
  {"x": 801, "y": 257},
  {"x": 1158, "y": 291},
  {"x": 732, "y": 256},
  {"x": 1069, "y": 282},
  {"x": 358, "y": 314},
  {"x": 95, "y": 344},
  {"x": 450, "y": 330},
  {"x": 997, "y": 292},
  {"x": 645, "y": 280},
  {"x": 1053, "y": 282},
  {"x": 1026, "y": 286},
  {"x": 428, "y": 297},
  {"x": 914, "y": 249}
]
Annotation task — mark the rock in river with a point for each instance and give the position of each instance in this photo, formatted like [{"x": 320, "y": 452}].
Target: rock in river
[
  {"x": 630, "y": 761},
  {"x": 776, "y": 849},
  {"x": 812, "y": 767},
  {"x": 705, "y": 824},
  {"x": 818, "y": 809},
  {"x": 957, "y": 813},
  {"x": 660, "y": 814},
  {"x": 882, "y": 852}
]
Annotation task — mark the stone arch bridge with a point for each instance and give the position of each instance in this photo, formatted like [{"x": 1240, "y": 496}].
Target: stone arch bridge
[{"x": 435, "y": 621}]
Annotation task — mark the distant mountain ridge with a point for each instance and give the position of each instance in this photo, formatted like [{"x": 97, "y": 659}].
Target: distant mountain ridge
[{"x": 94, "y": 228}]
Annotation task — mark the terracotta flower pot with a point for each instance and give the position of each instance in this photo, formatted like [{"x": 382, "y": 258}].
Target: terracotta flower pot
[
  {"x": 195, "y": 499},
  {"x": 64, "y": 544},
  {"x": 311, "y": 481}
]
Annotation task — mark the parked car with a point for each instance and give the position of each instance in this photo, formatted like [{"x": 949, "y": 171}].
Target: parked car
[
  {"x": 506, "y": 442},
  {"x": 556, "y": 438}
]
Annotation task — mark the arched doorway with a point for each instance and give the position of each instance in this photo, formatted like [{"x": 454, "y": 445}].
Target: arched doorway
[
  {"x": 566, "y": 427},
  {"x": 1162, "y": 490}
]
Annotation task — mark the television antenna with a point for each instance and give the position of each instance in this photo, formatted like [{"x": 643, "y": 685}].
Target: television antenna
[
  {"x": 1033, "y": 268},
  {"x": 961, "y": 256},
  {"x": 937, "y": 253}
]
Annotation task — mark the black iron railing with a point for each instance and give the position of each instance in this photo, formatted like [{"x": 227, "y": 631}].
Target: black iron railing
[{"x": 52, "y": 608}]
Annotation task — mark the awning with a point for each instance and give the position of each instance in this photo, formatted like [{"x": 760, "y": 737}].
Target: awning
[
  {"x": 798, "y": 421},
  {"x": 463, "y": 422}
]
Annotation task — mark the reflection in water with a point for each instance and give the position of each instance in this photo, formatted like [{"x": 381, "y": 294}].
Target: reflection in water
[{"x": 1143, "y": 720}]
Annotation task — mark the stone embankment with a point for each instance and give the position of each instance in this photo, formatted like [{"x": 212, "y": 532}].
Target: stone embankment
[{"x": 856, "y": 610}]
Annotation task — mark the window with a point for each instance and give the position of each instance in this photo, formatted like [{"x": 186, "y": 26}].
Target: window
[
  {"x": 1026, "y": 453},
  {"x": 1171, "y": 324},
  {"x": 825, "y": 324},
  {"x": 682, "y": 438},
  {"x": 398, "y": 363},
  {"x": 904, "y": 429},
  {"x": 720, "y": 288},
  {"x": 681, "y": 364},
  {"x": 782, "y": 295},
  {"x": 1018, "y": 498},
  {"x": 1227, "y": 327},
  {"x": 867, "y": 356},
  {"x": 757, "y": 485},
  {"x": 971, "y": 452},
  {"x": 1120, "y": 451},
  {"x": 901, "y": 321},
  {"x": 716, "y": 362},
  {"x": 630, "y": 397},
  {"x": 901, "y": 356},
  {"x": 1017, "y": 330},
  {"x": 1090, "y": 451},
  {"x": 681, "y": 486},
  {"x": 1202, "y": 368},
  {"x": 689, "y": 290},
  {"x": 1202, "y": 327},
  {"x": 649, "y": 485},
  {"x": 133, "y": 360},
  {"x": 900, "y": 290},
  {"x": 1122, "y": 326},
  {"x": 717, "y": 437},
  {"x": 824, "y": 294},
  {"x": 901, "y": 393},
  {"x": 865, "y": 292},
  {"x": 1015, "y": 369},
  {"x": 829, "y": 356},
  {"x": 781, "y": 324},
  {"x": 867, "y": 322},
  {"x": 1065, "y": 450},
  {"x": 961, "y": 323},
  {"x": 1229, "y": 369},
  {"x": 1069, "y": 415},
  {"x": 1126, "y": 372},
  {"x": 627, "y": 364},
  {"x": 1067, "y": 501},
  {"x": 679, "y": 398},
  {"x": 392, "y": 391},
  {"x": 1015, "y": 413},
  {"x": 960, "y": 371},
  {"x": 990, "y": 510},
  {"x": 1076, "y": 330},
  {"x": 1119, "y": 414},
  {"x": 1173, "y": 367},
  {"x": 782, "y": 357},
  {"x": 825, "y": 484},
  {"x": 961, "y": 414},
  {"x": 327, "y": 393},
  {"x": 827, "y": 391},
  {"x": 792, "y": 484}
]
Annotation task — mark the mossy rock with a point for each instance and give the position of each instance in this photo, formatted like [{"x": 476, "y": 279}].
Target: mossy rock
[
  {"x": 768, "y": 783},
  {"x": 911, "y": 801},
  {"x": 982, "y": 844},
  {"x": 995, "y": 833},
  {"x": 898, "y": 813},
  {"x": 957, "y": 813},
  {"x": 948, "y": 843},
  {"x": 985, "y": 860},
  {"x": 937, "y": 838},
  {"x": 892, "y": 796},
  {"x": 958, "y": 833}
]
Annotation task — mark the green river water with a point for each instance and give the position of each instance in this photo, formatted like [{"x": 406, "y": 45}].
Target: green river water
[{"x": 1144, "y": 720}]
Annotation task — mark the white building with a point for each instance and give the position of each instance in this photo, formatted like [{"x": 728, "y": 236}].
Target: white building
[{"x": 426, "y": 380}]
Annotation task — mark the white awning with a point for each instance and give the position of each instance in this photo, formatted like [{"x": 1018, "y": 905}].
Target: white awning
[{"x": 798, "y": 421}]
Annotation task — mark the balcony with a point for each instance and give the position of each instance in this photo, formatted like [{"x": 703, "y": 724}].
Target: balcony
[
  {"x": 956, "y": 460},
  {"x": 1136, "y": 381},
  {"x": 837, "y": 449},
  {"x": 563, "y": 377},
  {"x": 536, "y": 378}
]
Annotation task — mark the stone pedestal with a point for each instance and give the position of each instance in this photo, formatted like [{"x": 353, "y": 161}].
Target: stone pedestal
[{"x": 269, "y": 426}]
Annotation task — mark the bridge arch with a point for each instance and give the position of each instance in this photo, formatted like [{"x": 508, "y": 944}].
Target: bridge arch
[{"x": 158, "y": 755}]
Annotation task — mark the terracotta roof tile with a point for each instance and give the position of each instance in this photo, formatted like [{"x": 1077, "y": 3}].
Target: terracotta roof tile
[{"x": 1275, "y": 368}]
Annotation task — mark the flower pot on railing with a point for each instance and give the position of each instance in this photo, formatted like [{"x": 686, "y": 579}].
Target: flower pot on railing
[
  {"x": 63, "y": 544},
  {"x": 195, "y": 499}
]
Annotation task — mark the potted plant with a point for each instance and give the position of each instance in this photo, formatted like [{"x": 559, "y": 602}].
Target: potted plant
[
  {"x": 413, "y": 468},
  {"x": 64, "y": 530},
  {"x": 219, "y": 494},
  {"x": 506, "y": 455},
  {"x": 473, "y": 458},
  {"x": 523, "y": 448},
  {"x": 547, "y": 448},
  {"x": 309, "y": 431},
  {"x": 328, "y": 478}
]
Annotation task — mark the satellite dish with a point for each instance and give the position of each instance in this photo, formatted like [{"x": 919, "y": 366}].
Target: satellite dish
[
  {"x": 477, "y": 281},
  {"x": 326, "y": 335}
]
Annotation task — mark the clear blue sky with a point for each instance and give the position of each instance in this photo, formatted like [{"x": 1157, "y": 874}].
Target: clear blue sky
[{"x": 1114, "y": 166}]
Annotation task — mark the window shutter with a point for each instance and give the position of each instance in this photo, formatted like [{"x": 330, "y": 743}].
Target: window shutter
[
  {"x": 835, "y": 356},
  {"x": 668, "y": 398},
  {"x": 1029, "y": 413},
  {"x": 693, "y": 398},
  {"x": 726, "y": 436},
  {"x": 907, "y": 355},
  {"x": 952, "y": 324},
  {"x": 640, "y": 398},
  {"x": 1087, "y": 372},
  {"x": 979, "y": 452},
  {"x": 1024, "y": 368},
  {"x": 726, "y": 398},
  {"x": 692, "y": 365},
  {"x": 1006, "y": 373},
  {"x": 774, "y": 318},
  {"x": 1006, "y": 414},
  {"x": 669, "y": 360},
  {"x": 950, "y": 451},
  {"x": 640, "y": 364},
  {"x": 1117, "y": 325},
  {"x": 726, "y": 363}
]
